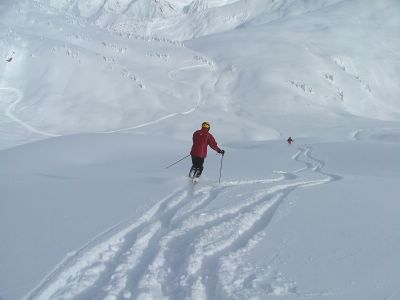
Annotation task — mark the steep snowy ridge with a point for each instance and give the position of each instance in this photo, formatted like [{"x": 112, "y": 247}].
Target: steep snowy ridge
[
  {"x": 196, "y": 7},
  {"x": 181, "y": 19},
  {"x": 106, "y": 12},
  {"x": 136, "y": 14},
  {"x": 151, "y": 9}
]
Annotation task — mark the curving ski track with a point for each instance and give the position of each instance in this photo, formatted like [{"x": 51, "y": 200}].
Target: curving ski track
[
  {"x": 181, "y": 248},
  {"x": 193, "y": 109},
  {"x": 9, "y": 112}
]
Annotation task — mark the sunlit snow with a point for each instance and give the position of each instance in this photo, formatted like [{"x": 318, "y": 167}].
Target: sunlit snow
[{"x": 97, "y": 98}]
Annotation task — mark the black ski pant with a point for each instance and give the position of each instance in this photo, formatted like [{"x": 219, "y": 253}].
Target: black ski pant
[{"x": 197, "y": 165}]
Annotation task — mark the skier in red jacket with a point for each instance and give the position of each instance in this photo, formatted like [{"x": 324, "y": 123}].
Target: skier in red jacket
[{"x": 201, "y": 139}]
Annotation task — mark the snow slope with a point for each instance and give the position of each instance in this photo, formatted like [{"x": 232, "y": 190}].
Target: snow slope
[
  {"x": 292, "y": 225},
  {"x": 98, "y": 97},
  {"x": 305, "y": 66}
]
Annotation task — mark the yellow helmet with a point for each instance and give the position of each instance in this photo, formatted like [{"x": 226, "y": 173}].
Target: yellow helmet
[{"x": 205, "y": 125}]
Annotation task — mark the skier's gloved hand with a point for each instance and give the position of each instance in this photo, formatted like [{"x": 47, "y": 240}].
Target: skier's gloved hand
[{"x": 222, "y": 152}]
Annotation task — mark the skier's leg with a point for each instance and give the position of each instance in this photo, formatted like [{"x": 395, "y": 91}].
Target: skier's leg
[
  {"x": 192, "y": 172},
  {"x": 198, "y": 172},
  {"x": 193, "y": 169},
  {"x": 199, "y": 166}
]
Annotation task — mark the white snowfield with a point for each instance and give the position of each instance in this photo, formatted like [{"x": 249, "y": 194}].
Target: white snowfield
[
  {"x": 97, "y": 98},
  {"x": 142, "y": 260}
]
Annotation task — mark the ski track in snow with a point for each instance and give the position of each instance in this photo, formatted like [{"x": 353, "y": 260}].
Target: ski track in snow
[
  {"x": 9, "y": 112},
  {"x": 180, "y": 248},
  {"x": 170, "y": 76}
]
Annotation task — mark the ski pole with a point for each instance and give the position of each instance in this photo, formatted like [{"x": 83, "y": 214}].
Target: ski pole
[
  {"x": 177, "y": 161},
  {"x": 220, "y": 170}
]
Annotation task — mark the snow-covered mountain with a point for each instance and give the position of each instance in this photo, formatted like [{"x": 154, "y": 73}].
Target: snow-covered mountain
[
  {"x": 181, "y": 19},
  {"x": 302, "y": 55},
  {"x": 98, "y": 97}
]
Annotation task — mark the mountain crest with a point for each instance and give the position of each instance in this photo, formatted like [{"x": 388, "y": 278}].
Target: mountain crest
[
  {"x": 149, "y": 9},
  {"x": 197, "y": 7}
]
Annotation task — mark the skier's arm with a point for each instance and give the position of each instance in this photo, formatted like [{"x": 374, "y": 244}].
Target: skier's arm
[{"x": 213, "y": 144}]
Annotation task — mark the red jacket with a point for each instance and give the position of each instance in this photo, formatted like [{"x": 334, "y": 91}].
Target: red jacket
[{"x": 201, "y": 139}]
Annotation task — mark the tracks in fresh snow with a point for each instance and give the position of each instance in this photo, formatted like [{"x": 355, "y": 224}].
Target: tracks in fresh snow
[
  {"x": 171, "y": 115},
  {"x": 182, "y": 246},
  {"x": 9, "y": 112}
]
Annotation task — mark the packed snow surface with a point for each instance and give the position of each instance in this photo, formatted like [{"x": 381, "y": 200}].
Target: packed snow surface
[{"x": 98, "y": 98}]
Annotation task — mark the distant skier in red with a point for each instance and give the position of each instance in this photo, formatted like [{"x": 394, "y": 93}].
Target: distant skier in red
[
  {"x": 201, "y": 140},
  {"x": 290, "y": 140}
]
